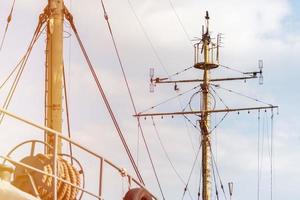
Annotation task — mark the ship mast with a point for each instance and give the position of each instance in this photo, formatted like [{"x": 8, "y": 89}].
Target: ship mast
[
  {"x": 54, "y": 70},
  {"x": 204, "y": 121},
  {"x": 209, "y": 61}
]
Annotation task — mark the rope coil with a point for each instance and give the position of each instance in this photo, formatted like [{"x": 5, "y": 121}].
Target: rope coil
[{"x": 44, "y": 183}]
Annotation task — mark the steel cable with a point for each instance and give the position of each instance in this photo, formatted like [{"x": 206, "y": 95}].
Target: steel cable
[
  {"x": 104, "y": 98},
  {"x": 130, "y": 95},
  {"x": 7, "y": 24},
  {"x": 22, "y": 64}
]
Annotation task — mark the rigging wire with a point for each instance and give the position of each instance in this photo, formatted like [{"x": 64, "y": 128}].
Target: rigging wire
[
  {"x": 222, "y": 101},
  {"x": 12, "y": 72},
  {"x": 215, "y": 181},
  {"x": 258, "y": 155},
  {"x": 169, "y": 99},
  {"x": 99, "y": 86},
  {"x": 180, "y": 22},
  {"x": 218, "y": 173},
  {"x": 7, "y": 24},
  {"x": 240, "y": 94},
  {"x": 130, "y": 95},
  {"x": 167, "y": 155},
  {"x": 138, "y": 146},
  {"x": 165, "y": 152},
  {"x": 200, "y": 180},
  {"x": 232, "y": 69},
  {"x": 148, "y": 38},
  {"x": 221, "y": 120},
  {"x": 190, "y": 175},
  {"x": 190, "y": 121},
  {"x": 180, "y": 72},
  {"x": 67, "y": 113},
  {"x": 22, "y": 65},
  {"x": 157, "y": 57},
  {"x": 262, "y": 146},
  {"x": 271, "y": 160}
]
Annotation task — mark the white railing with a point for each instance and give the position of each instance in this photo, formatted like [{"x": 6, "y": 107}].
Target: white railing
[{"x": 57, "y": 134}]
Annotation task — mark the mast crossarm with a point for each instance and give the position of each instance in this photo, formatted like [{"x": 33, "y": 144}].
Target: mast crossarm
[
  {"x": 164, "y": 80},
  {"x": 207, "y": 111}
]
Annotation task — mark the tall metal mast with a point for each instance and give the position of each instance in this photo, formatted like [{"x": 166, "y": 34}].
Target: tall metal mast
[
  {"x": 54, "y": 69},
  {"x": 204, "y": 121},
  {"x": 209, "y": 61}
]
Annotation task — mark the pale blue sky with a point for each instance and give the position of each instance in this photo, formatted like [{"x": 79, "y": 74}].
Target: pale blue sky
[{"x": 258, "y": 29}]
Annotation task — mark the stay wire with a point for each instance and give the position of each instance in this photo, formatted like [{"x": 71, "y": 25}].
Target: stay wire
[
  {"x": 165, "y": 151},
  {"x": 22, "y": 64},
  {"x": 180, "y": 72},
  {"x": 258, "y": 155},
  {"x": 190, "y": 175},
  {"x": 222, "y": 101},
  {"x": 130, "y": 95},
  {"x": 12, "y": 72},
  {"x": 180, "y": 22},
  {"x": 148, "y": 38},
  {"x": 240, "y": 94},
  {"x": 262, "y": 152},
  {"x": 7, "y": 24},
  {"x": 188, "y": 119},
  {"x": 218, "y": 173},
  {"x": 200, "y": 181},
  {"x": 167, "y": 155},
  {"x": 153, "y": 50},
  {"x": 232, "y": 69},
  {"x": 215, "y": 181},
  {"x": 169, "y": 99},
  {"x": 271, "y": 162},
  {"x": 68, "y": 115},
  {"x": 218, "y": 124},
  {"x": 106, "y": 102}
]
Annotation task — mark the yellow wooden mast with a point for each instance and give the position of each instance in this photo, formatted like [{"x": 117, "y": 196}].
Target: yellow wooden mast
[
  {"x": 54, "y": 70},
  {"x": 209, "y": 61},
  {"x": 205, "y": 121}
]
